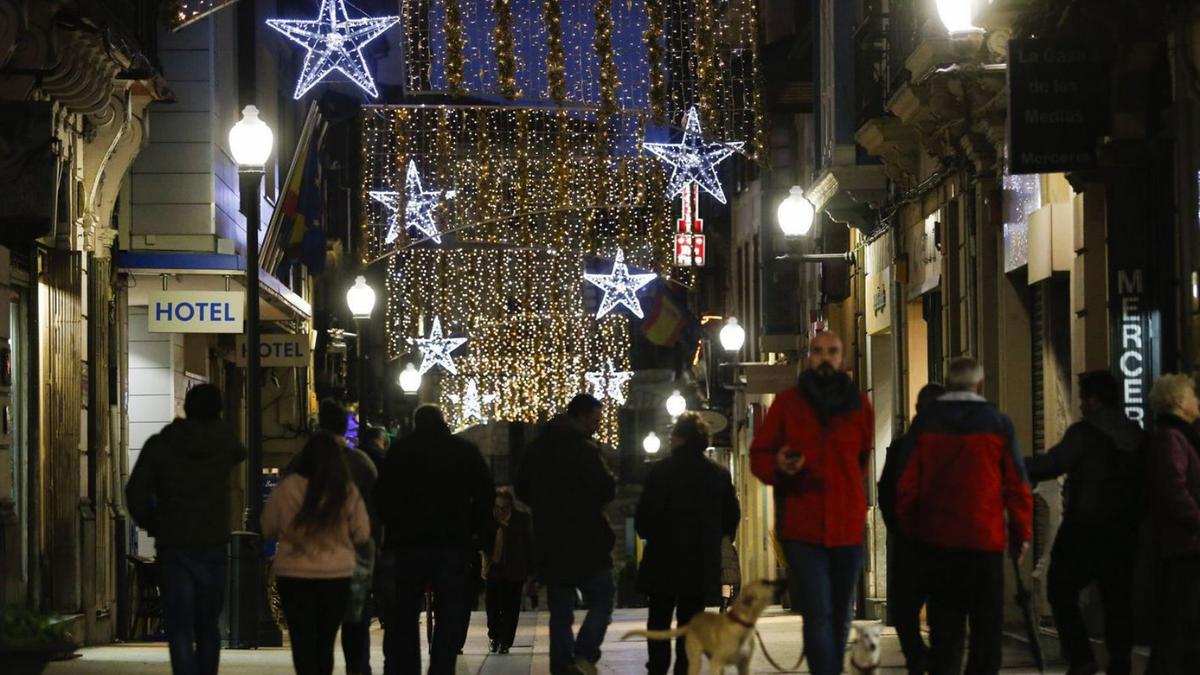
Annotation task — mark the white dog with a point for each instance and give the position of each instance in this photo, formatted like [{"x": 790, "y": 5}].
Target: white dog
[{"x": 865, "y": 651}]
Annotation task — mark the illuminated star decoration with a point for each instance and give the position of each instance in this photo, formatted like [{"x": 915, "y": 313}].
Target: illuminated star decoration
[
  {"x": 694, "y": 161},
  {"x": 620, "y": 287},
  {"x": 418, "y": 206},
  {"x": 436, "y": 349},
  {"x": 472, "y": 402},
  {"x": 609, "y": 383},
  {"x": 334, "y": 42}
]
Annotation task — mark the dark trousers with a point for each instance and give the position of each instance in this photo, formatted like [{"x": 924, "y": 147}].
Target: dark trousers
[
  {"x": 964, "y": 587},
  {"x": 825, "y": 579},
  {"x": 356, "y": 642},
  {"x": 659, "y": 618},
  {"x": 503, "y": 610},
  {"x": 565, "y": 646},
  {"x": 445, "y": 570},
  {"x": 314, "y": 609},
  {"x": 1175, "y": 650},
  {"x": 1083, "y": 554},
  {"x": 193, "y": 595},
  {"x": 906, "y": 597}
]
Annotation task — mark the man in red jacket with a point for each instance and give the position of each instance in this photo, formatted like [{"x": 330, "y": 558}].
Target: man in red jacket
[
  {"x": 964, "y": 474},
  {"x": 813, "y": 448}
]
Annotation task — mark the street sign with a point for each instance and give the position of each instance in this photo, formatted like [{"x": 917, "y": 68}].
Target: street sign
[
  {"x": 196, "y": 311},
  {"x": 283, "y": 350}
]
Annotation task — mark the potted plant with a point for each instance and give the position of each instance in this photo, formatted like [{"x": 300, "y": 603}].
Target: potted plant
[{"x": 29, "y": 640}]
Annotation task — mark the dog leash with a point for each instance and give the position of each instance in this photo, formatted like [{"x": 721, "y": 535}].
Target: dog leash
[{"x": 771, "y": 660}]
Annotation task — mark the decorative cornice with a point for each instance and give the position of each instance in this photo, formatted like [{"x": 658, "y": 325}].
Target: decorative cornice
[
  {"x": 850, "y": 194},
  {"x": 895, "y": 142}
]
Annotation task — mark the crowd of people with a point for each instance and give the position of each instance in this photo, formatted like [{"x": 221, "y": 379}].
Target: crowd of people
[{"x": 377, "y": 530}]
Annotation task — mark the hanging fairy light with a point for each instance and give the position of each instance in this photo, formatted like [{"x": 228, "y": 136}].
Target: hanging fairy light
[{"x": 692, "y": 160}]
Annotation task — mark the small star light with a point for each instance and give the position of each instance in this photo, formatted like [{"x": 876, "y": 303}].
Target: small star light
[
  {"x": 418, "y": 206},
  {"x": 436, "y": 349},
  {"x": 609, "y": 383},
  {"x": 334, "y": 42},
  {"x": 620, "y": 287},
  {"x": 694, "y": 160},
  {"x": 472, "y": 402}
]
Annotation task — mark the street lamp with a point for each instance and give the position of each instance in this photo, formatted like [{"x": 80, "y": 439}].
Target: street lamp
[
  {"x": 732, "y": 336},
  {"x": 410, "y": 380},
  {"x": 651, "y": 443},
  {"x": 795, "y": 213},
  {"x": 360, "y": 299},
  {"x": 250, "y": 142},
  {"x": 956, "y": 16},
  {"x": 676, "y": 405}
]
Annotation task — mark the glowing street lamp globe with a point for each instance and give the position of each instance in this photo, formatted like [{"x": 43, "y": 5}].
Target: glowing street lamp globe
[
  {"x": 651, "y": 443},
  {"x": 957, "y": 16},
  {"x": 795, "y": 213},
  {"x": 676, "y": 405},
  {"x": 732, "y": 336},
  {"x": 360, "y": 299},
  {"x": 250, "y": 140},
  {"x": 410, "y": 379}
]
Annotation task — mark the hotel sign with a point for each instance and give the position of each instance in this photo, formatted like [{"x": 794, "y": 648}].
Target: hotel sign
[{"x": 196, "y": 311}]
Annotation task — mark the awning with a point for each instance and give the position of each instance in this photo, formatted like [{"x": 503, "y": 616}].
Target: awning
[{"x": 208, "y": 272}]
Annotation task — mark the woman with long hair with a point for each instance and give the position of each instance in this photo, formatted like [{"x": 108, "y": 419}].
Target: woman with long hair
[{"x": 318, "y": 516}]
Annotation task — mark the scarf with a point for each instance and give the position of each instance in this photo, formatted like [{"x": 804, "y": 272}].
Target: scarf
[{"x": 829, "y": 395}]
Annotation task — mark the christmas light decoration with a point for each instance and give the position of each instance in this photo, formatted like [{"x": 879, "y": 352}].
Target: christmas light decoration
[
  {"x": 693, "y": 160},
  {"x": 419, "y": 205},
  {"x": 436, "y": 349},
  {"x": 472, "y": 402},
  {"x": 334, "y": 42},
  {"x": 620, "y": 287},
  {"x": 609, "y": 383},
  {"x": 689, "y": 231}
]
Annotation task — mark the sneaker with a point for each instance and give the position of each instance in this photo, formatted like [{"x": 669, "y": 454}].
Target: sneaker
[
  {"x": 585, "y": 667},
  {"x": 493, "y": 646},
  {"x": 504, "y": 649}
]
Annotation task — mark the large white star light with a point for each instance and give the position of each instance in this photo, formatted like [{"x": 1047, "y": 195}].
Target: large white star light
[
  {"x": 334, "y": 42},
  {"x": 694, "y": 161},
  {"x": 609, "y": 383},
  {"x": 418, "y": 206},
  {"x": 472, "y": 402},
  {"x": 436, "y": 349},
  {"x": 620, "y": 287}
]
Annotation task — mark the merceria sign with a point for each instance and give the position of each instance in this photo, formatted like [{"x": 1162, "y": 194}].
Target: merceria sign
[{"x": 196, "y": 311}]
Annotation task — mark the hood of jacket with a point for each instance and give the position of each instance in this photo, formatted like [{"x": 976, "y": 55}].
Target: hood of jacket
[
  {"x": 1124, "y": 433},
  {"x": 962, "y": 411}
]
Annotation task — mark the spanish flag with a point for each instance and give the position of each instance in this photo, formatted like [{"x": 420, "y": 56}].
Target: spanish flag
[{"x": 667, "y": 320}]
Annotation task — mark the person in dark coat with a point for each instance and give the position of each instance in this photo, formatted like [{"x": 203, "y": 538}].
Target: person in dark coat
[
  {"x": 435, "y": 499},
  {"x": 179, "y": 492},
  {"x": 1097, "y": 540},
  {"x": 509, "y": 565},
  {"x": 906, "y": 590},
  {"x": 1174, "y": 523},
  {"x": 565, "y": 482},
  {"x": 688, "y": 506}
]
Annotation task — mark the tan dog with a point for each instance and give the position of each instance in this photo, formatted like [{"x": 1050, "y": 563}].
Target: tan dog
[{"x": 725, "y": 638}]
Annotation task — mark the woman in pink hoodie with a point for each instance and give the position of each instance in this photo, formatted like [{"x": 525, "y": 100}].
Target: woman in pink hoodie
[{"x": 318, "y": 516}]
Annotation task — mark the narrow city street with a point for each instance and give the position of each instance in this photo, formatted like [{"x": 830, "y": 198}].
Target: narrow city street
[{"x": 530, "y": 654}]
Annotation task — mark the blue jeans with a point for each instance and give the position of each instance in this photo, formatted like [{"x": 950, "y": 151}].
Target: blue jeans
[
  {"x": 193, "y": 594},
  {"x": 825, "y": 580},
  {"x": 565, "y": 647}
]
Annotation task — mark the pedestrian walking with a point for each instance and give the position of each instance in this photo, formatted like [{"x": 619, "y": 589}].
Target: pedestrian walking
[
  {"x": 1174, "y": 524},
  {"x": 319, "y": 518},
  {"x": 813, "y": 447},
  {"x": 374, "y": 441},
  {"x": 435, "y": 498},
  {"x": 964, "y": 474},
  {"x": 509, "y": 567},
  {"x": 906, "y": 584},
  {"x": 1102, "y": 458},
  {"x": 565, "y": 482},
  {"x": 687, "y": 508},
  {"x": 179, "y": 493},
  {"x": 472, "y": 586}
]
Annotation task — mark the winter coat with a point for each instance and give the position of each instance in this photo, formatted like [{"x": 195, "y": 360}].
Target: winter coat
[
  {"x": 825, "y": 503},
  {"x": 1103, "y": 459},
  {"x": 565, "y": 482},
  {"x": 1174, "y": 488},
  {"x": 302, "y": 554},
  {"x": 964, "y": 473},
  {"x": 688, "y": 505},
  {"x": 898, "y": 454},
  {"x": 516, "y": 554},
  {"x": 435, "y": 490},
  {"x": 179, "y": 488}
]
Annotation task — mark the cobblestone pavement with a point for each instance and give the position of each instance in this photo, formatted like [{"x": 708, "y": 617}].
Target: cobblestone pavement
[{"x": 529, "y": 656}]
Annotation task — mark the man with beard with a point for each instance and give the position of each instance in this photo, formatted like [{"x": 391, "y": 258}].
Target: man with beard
[{"x": 813, "y": 448}]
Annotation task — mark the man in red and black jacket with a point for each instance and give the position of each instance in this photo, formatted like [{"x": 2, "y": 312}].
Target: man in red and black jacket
[
  {"x": 964, "y": 474},
  {"x": 813, "y": 448}
]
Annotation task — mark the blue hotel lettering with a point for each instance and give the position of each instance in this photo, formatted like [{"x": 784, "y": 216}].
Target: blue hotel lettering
[{"x": 188, "y": 311}]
